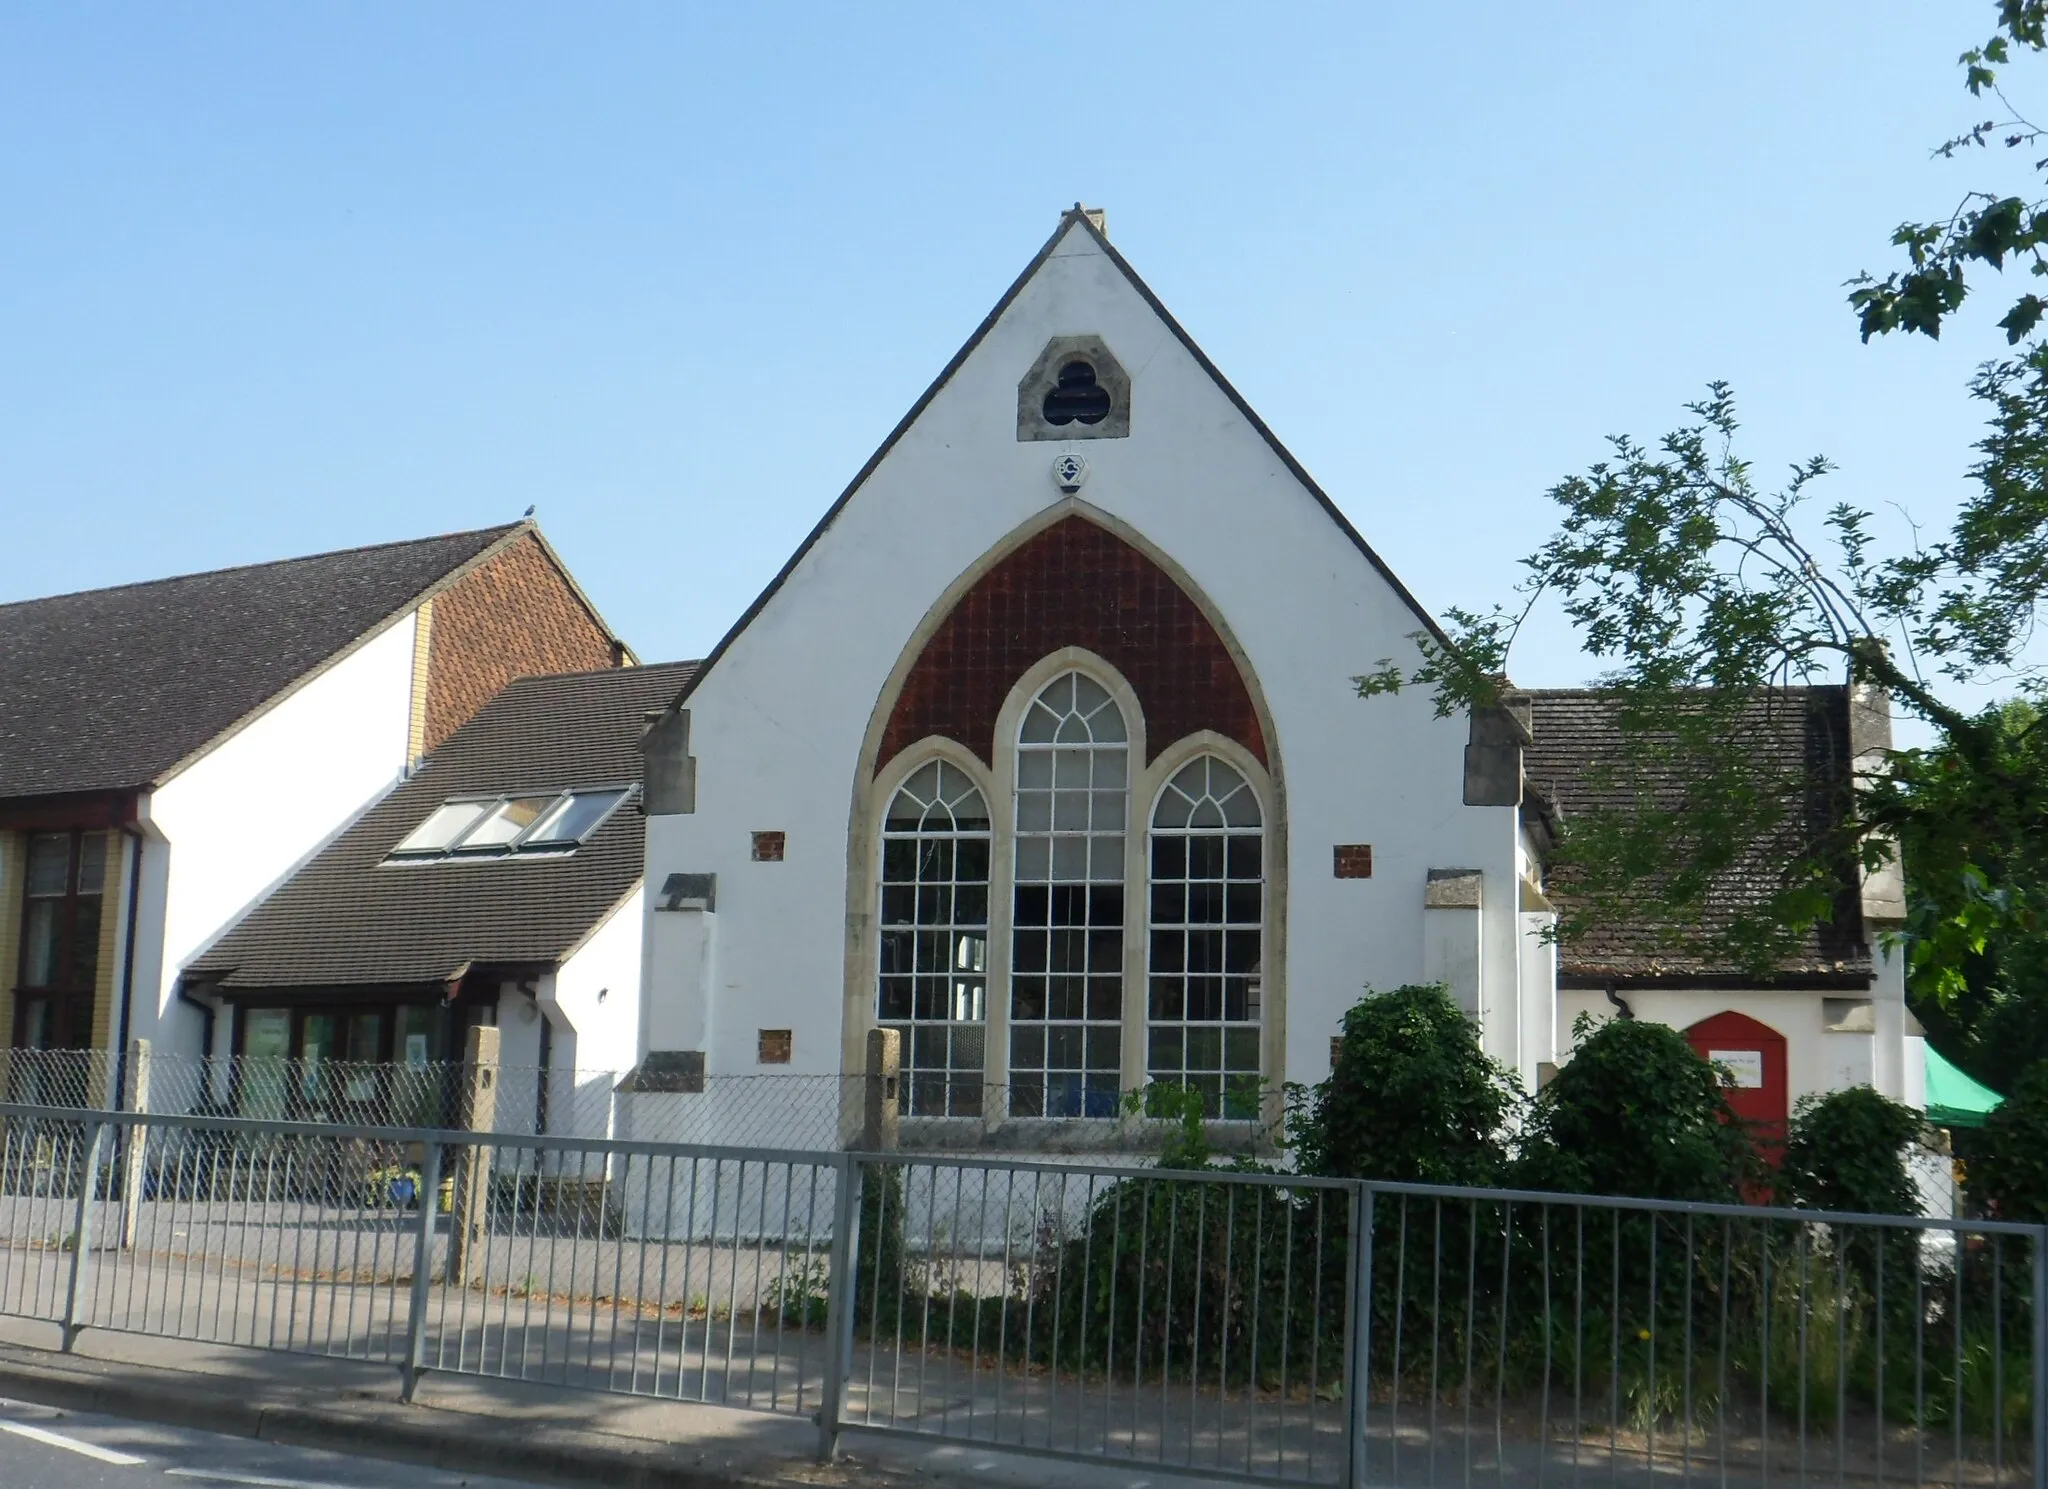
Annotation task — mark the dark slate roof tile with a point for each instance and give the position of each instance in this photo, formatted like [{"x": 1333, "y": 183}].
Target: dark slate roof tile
[
  {"x": 1802, "y": 732},
  {"x": 111, "y": 689},
  {"x": 349, "y": 919}
]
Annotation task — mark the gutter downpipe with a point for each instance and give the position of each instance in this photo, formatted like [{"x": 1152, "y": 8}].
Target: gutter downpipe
[{"x": 530, "y": 985}]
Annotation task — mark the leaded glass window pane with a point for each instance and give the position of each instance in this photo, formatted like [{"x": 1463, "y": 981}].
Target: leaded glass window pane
[
  {"x": 933, "y": 981},
  {"x": 1067, "y": 936},
  {"x": 1205, "y": 941}
]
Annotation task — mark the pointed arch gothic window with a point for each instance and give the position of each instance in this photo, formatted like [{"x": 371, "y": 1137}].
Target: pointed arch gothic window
[
  {"x": 1067, "y": 920},
  {"x": 1060, "y": 857},
  {"x": 934, "y": 938},
  {"x": 1206, "y": 926}
]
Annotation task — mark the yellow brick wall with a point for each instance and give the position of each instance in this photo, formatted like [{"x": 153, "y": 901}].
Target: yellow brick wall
[{"x": 422, "y": 651}]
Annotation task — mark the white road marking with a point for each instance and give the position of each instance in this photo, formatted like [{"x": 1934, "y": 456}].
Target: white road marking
[
  {"x": 72, "y": 1444},
  {"x": 212, "y": 1476}
]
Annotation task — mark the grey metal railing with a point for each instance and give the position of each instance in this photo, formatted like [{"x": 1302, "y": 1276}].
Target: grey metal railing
[{"x": 1232, "y": 1323}]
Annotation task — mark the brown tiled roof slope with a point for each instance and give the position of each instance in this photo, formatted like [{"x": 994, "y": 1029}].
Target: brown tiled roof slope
[
  {"x": 347, "y": 919},
  {"x": 110, "y": 689},
  {"x": 1802, "y": 732}
]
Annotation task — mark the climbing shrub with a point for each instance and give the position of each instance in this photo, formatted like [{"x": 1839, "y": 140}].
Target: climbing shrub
[
  {"x": 881, "y": 1277},
  {"x": 1411, "y": 1097},
  {"x": 1637, "y": 1111},
  {"x": 1846, "y": 1150}
]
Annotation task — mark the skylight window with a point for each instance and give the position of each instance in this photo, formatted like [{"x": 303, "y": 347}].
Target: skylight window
[
  {"x": 504, "y": 824},
  {"x": 549, "y": 824},
  {"x": 572, "y": 818},
  {"x": 449, "y": 821}
]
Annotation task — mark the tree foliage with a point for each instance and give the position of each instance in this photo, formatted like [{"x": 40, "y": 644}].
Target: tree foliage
[
  {"x": 2008, "y": 1168},
  {"x": 1708, "y": 596}
]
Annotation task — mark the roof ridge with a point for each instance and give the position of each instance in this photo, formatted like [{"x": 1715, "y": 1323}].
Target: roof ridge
[
  {"x": 474, "y": 532},
  {"x": 529, "y": 677},
  {"x": 1586, "y": 692}
]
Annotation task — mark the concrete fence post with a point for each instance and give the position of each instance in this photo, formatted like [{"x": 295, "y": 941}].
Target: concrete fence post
[
  {"x": 134, "y": 1143},
  {"x": 472, "y": 1197},
  {"x": 879, "y": 1121}
]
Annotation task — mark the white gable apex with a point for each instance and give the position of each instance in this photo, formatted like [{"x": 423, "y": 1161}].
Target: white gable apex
[{"x": 953, "y": 478}]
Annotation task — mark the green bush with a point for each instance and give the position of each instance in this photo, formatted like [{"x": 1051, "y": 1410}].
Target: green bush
[
  {"x": 1186, "y": 1143},
  {"x": 881, "y": 1277},
  {"x": 2008, "y": 1167},
  {"x": 1411, "y": 1099},
  {"x": 1846, "y": 1151},
  {"x": 1636, "y": 1112}
]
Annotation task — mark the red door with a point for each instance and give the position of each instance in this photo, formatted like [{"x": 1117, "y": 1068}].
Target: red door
[{"x": 1754, "y": 1055}]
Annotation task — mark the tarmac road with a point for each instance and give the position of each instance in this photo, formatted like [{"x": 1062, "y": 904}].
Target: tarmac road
[{"x": 44, "y": 1448}]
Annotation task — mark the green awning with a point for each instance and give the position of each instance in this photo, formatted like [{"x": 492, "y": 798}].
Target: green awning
[{"x": 1953, "y": 1099}]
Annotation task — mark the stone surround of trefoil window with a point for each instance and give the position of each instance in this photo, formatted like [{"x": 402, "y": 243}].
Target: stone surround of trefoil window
[{"x": 1106, "y": 929}]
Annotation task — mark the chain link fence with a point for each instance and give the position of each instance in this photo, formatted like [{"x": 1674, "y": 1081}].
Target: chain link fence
[{"x": 782, "y": 1110}]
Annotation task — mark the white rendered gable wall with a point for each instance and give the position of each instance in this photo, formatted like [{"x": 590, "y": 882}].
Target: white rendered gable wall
[
  {"x": 239, "y": 819},
  {"x": 777, "y": 724}
]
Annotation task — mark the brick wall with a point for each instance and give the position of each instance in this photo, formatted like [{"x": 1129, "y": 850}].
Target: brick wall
[
  {"x": 1075, "y": 584},
  {"x": 515, "y": 616}
]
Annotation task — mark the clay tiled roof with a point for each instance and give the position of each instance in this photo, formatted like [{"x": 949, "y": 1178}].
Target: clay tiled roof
[
  {"x": 114, "y": 689},
  {"x": 350, "y": 919},
  {"x": 1801, "y": 733}
]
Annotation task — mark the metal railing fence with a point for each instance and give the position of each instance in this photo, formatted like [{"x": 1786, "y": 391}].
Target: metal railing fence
[{"x": 1225, "y": 1321}]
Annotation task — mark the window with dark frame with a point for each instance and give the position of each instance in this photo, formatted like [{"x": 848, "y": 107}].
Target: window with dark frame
[
  {"x": 382, "y": 1061},
  {"x": 60, "y": 932}
]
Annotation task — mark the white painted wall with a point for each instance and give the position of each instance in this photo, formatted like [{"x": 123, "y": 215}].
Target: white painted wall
[
  {"x": 777, "y": 725},
  {"x": 591, "y": 1005},
  {"x": 597, "y": 992},
  {"x": 1816, "y": 1061},
  {"x": 237, "y": 821}
]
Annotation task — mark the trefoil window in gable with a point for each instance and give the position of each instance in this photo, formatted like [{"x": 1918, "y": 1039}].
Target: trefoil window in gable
[{"x": 1076, "y": 389}]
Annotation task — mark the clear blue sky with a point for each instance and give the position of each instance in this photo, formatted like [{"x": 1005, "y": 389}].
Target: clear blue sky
[{"x": 282, "y": 278}]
